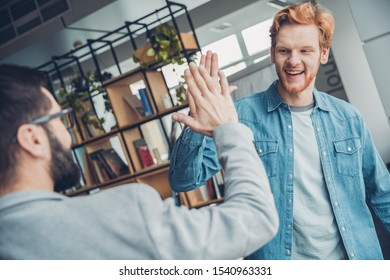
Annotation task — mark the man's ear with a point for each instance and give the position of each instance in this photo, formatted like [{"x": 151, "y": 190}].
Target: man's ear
[
  {"x": 33, "y": 140},
  {"x": 272, "y": 54},
  {"x": 324, "y": 55}
]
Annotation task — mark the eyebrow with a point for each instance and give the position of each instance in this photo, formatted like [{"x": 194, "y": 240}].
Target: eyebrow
[{"x": 301, "y": 47}]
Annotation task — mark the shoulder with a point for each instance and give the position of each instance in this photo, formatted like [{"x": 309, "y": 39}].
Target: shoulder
[
  {"x": 249, "y": 99},
  {"x": 338, "y": 107},
  {"x": 127, "y": 196},
  {"x": 256, "y": 102},
  {"x": 258, "y": 98}
]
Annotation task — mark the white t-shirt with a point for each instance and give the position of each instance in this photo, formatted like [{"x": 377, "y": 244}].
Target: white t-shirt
[{"x": 315, "y": 231}]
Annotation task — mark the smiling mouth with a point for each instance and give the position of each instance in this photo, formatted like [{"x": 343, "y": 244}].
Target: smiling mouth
[{"x": 293, "y": 73}]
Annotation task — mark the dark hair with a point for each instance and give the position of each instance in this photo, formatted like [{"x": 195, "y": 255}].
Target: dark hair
[
  {"x": 21, "y": 100},
  {"x": 305, "y": 13}
]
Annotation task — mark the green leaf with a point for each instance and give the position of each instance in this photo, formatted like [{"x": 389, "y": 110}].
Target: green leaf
[
  {"x": 164, "y": 44},
  {"x": 150, "y": 52},
  {"x": 164, "y": 54}
]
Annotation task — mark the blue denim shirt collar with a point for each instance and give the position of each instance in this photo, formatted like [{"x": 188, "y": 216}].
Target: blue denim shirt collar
[
  {"x": 273, "y": 97},
  {"x": 274, "y": 100}
]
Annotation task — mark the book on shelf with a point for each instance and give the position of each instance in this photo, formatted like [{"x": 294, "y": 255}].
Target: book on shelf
[
  {"x": 145, "y": 101},
  {"x": 195, "y": 197},
  {"x": 114, "y": 162},
  {"x": 84, "y": 162},
  {"x": 135, "y": 103},
  {"x": 138, "y": 89},
  {"x": 107, "y": 165},
  {"x": 96, "y": 168},
  {"x": 89, "y": 122},
  {"x": 89, "y": 175},
  {"x": 201, "y": 194},
  {"x": 219, "y": 184},
  {"x": 143, "y": 153},
  {"x": 208, "y": 194},
  {"x": 75, "y": 134},
  {"x": 93, "y": 126}
]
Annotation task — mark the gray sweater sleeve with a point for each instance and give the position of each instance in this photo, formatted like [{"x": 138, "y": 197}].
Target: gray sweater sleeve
[
  {"x": 244, "y": 222},
  {"x": 132, "y": 222}
]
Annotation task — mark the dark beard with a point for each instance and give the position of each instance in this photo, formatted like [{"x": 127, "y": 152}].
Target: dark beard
[{"x": 65, "y": 172}]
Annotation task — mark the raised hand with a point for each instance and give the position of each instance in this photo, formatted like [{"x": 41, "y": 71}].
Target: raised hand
[
  {"x": 210, "y": 62},
  {"x": 209, "y": 97}
]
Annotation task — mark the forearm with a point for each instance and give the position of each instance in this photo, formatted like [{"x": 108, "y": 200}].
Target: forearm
[
  {"x": 244, "y": 222},
  {"x": 193, "y": 161},
  {"x": 246, "y": 184}
]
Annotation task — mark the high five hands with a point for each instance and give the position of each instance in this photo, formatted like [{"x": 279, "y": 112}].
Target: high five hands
[{"x": 208, "y": 97}]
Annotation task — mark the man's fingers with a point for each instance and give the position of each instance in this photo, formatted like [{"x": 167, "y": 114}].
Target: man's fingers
[
  {"x": 232, "y": 89},
  {"x": 181, "y": 118},
  {"x": 223, "y": 83},
  {"x": 191, "y": 104},
  {"x": 202, "y": 60},
  {"x": 192, "y": 84},
  {"x": 214, "y": 65},
  {"x": 211, "y": 83},
  {"x": 200, "y": 83},
  {"x": 187, "y": 120},
  {"x": 208, "y": 61}
]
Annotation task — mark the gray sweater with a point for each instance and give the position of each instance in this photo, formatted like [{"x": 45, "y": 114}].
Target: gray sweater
[{"x": 132, "y": 222}]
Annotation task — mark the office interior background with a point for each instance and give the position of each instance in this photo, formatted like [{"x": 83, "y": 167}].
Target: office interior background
[{"x": 237, "y": 30}]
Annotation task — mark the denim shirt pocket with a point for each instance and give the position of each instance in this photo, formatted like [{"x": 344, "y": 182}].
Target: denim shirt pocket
[
  {"x": 267, "y": 150},
  {"x": 347, "y": 156}
]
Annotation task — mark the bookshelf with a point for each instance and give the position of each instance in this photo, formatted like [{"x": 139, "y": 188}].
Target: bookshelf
[{"x": 134, "y": 141}]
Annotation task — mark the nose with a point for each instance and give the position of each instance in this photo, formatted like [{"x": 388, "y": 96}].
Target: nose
[{"x": 293, "y": 59}]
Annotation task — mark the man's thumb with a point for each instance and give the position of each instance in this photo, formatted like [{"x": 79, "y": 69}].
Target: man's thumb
[{"x": 232, "y": 89}]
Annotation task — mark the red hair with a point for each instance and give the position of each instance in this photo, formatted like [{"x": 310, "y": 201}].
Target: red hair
[{"x": 306, "y": 14}]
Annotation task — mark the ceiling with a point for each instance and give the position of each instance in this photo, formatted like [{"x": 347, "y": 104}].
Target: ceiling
[{"x": 90, "y": 19}]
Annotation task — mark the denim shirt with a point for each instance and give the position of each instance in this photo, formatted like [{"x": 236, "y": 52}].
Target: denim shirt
[{"x": 354, "y": 172}]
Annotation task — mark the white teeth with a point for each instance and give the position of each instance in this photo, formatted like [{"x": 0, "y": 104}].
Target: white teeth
[{"x": 293, "y": 72}]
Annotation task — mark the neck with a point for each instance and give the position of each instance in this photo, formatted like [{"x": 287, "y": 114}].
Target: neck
[
  {"x": 302, "y": 98},
  {"x": 29, "y": 177}
]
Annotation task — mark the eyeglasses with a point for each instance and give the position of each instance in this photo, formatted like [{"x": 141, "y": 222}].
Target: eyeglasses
[{"x": 66, "y": 116}]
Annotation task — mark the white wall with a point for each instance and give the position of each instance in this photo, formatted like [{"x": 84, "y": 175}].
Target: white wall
[
  {"x": 357, "y": 76},
  {"x": 374, "y": 31}
]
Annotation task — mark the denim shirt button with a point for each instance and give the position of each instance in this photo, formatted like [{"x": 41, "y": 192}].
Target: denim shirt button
[
  {"x": 288, "y": 252},
  {"x": 349, "y": 149},
  {"x": 336, "y": 203},
  {"x": 289, "y": 225},
  {"x": 289, "y": 126},
  {"x": 352, "y": 255},
  {"x": 289, "y": 201},
  {"x": 318, "y": 129},
  {"x": 343, "y": 229}
]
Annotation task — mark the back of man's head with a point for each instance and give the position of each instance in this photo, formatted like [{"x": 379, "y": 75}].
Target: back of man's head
[{"x": 21, "y": 100}]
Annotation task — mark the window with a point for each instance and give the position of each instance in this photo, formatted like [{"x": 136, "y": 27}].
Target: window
[
  {"x": 234, "y": 69},
  {"x": 228, "y": 50},
  {"x": 257, "y": 38}
]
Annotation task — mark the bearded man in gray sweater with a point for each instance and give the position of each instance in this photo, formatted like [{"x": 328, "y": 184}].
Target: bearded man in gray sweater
[{"x": 129, "y": 221}]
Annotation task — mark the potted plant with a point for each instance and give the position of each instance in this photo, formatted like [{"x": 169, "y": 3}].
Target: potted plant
[
  {"x": 164, "y": 46},
  {"x": 77, "y": 96}
]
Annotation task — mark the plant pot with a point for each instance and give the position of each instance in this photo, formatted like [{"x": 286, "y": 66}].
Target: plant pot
[{"x": 141, "y": 53}]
